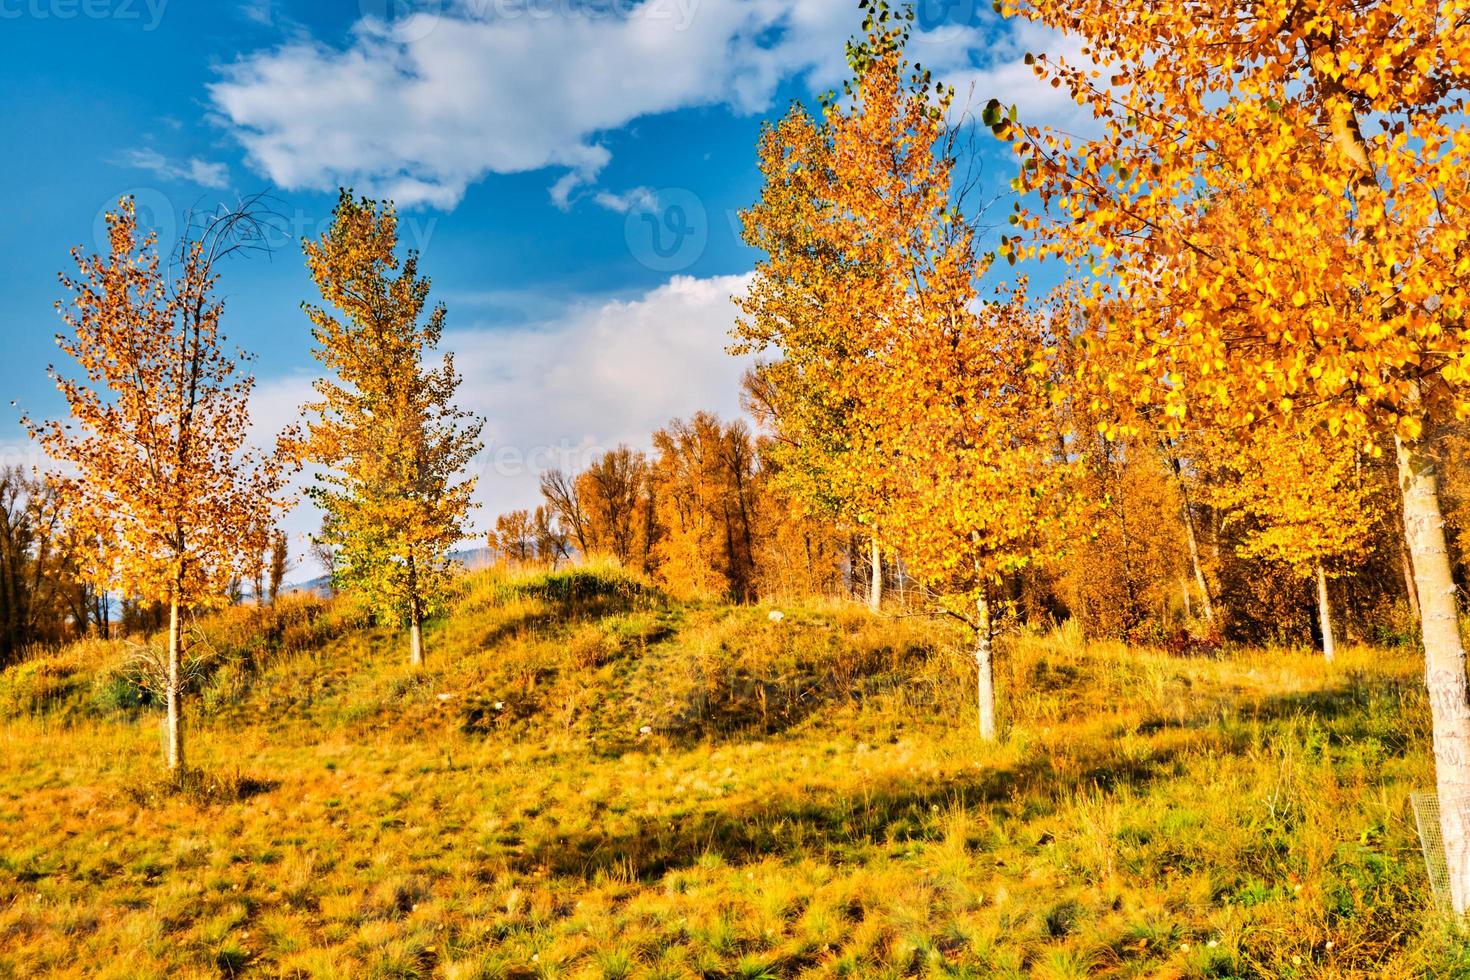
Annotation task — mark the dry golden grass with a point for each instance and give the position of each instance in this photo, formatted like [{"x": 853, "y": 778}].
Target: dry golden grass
[{"x": 590, "y": 781}]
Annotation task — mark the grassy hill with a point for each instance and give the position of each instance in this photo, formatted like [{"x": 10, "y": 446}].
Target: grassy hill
[{"x": 592, "y": 781}]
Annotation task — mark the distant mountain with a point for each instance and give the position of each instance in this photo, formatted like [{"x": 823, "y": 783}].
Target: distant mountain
[{"x": 472, "y": 559}]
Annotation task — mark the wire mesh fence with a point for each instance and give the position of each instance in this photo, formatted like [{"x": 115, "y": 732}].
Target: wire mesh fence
[{"x": 1431, "y": 840}]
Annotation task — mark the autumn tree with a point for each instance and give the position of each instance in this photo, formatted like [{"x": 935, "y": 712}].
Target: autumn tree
[
  {"x": 1274, "y": 192},
  {"x": 1306, "y": 505},
  {"x": 807, "y": 443},
  {"x": 1146, "y": 539},
  {"x": 704, "y": 474},
  {"x": 1128, "y": 563},
  {"x": 514, "y": 537},
  {"x": 42, "y": 598},
  {"x": 969, "y": 433},
  {"x": 393, "y": 446},
  {"x": 933, "y": 408},
  {"x": 152, "y": 461},
  {"x": 608, "y": 508},
  {"x": 550, "y": 537},
  {"x": 822, "y": 281},
  {"x": 798, "y": 551},
  {"x": 564, "y": 506},
  {"x": 280, "y": 563}
]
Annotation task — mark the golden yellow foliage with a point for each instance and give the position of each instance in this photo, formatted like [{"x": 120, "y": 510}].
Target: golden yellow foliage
[
  {"x": 1305, "y": 496},
  {"x": 902, "y": 401},
  {"x": 152, "y": 463},
  {"x": 393, "y": 446},
  {"x": 1275, "y": 201}
]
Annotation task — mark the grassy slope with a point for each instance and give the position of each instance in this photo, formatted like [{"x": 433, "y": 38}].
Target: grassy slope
[{"x": 591, "y": 782}]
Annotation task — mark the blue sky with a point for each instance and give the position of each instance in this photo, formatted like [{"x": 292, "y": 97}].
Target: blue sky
[{"x": 570, "y": 170}]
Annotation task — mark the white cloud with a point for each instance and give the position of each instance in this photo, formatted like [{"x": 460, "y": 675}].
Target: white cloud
[
  {"x": 642, "y": 198},
  {"x": 1004, "y": 75},
  {"x": 194, "y": 170},
  {"x": 421, "y": 107},
  {"x": 257, "y": 12},
  {"x": 556, "y": 392}
]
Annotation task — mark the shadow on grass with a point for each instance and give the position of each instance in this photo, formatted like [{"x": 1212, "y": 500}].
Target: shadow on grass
[
  {"x": 560, "y": 613},
  {"x": 789, "y": 825},
  {"x": 198, "y": 786},
  {"x": 1360, "y": 708}
]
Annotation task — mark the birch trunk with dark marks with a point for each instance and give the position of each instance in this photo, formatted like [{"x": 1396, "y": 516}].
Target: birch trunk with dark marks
[
  {"x": 1444, "y": 660},
  {"x": 173, "y": 692},
  {"x": 1324, "y": 616},
  {"x": 875, "y": 585}
]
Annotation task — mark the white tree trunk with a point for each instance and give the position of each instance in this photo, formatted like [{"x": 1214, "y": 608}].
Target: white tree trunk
[
  {"x": 174, "y": 749},
  {"x": 1199, "y": 571},
  {"x": 415, "y": 616},
  {"x": 875, "y": 586},
  {"x": 416, "y": 636},
  {"x": 985, "y": 670},
  {"x": 1444, "y": 661},
  {"x": 1324, "y": 615}
]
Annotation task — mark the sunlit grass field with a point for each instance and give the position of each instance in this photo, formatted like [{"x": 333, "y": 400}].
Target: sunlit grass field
[{"x": 592, "y": 781}]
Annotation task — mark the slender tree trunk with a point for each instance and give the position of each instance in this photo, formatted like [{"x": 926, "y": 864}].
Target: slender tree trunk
[
  {"x": 415, "y": 632},
  {"x": 1199, "y": 571},
  {"x": 875, "y": 587},
  {"x": 415, "y": 638},
  {"x": 1324, "y": 616},
  {"x": 173, "y": 694},
  {"x": 1206, "y": 604},
  {"x": 1444, "y": 661},
  {"x": 847, "y": 570},
  {"x": 985, "y": 669},
  {"x": 415, "y": 617},
  {"x": 10, "y": 640},
  {"x": 1188, "y": 601}
]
